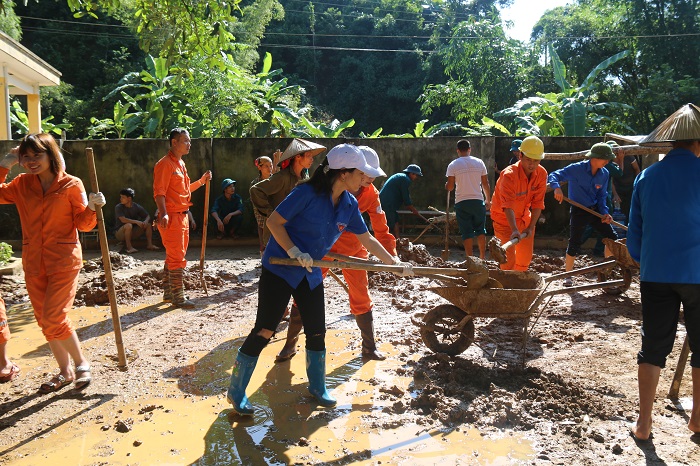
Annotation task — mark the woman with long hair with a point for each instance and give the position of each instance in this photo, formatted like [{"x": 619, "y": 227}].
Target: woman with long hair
[
  {"x": 52, "y": 207},
  {"x": 304, "y": 226}
]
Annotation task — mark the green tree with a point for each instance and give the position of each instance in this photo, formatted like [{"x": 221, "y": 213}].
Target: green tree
[{"x": 9, "y": 21}]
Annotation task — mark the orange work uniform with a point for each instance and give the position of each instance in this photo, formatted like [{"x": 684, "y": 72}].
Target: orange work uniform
[
  {"x": 515, "y": 191},
  {"x": 51, "y": 253},
  {"x": 349, "y": 245},
  {"x": 4, "y": 325},
  {"x": 170, "y": 179}
]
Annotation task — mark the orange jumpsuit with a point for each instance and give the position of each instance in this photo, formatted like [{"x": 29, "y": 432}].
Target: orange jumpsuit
[
  {"x": 515, "y": 191},
  {"x": 4, "y": 325},
  {"x": 51, "y": 253},
  {"x": 349, "y": 245},
  {"x": 170, "y": 180}
]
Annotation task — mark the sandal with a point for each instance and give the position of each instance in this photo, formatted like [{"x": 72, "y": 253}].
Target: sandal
[
  {"x": 83, "y": 377},
  {"x": 14, "y": 372},
  {"x": 56, "y": 383}
]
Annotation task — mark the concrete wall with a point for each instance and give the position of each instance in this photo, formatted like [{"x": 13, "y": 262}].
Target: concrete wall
[{"x": 129, "y": 163}]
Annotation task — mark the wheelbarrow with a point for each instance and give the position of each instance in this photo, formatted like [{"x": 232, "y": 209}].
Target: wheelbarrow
[{"x": 449, "y": 328}]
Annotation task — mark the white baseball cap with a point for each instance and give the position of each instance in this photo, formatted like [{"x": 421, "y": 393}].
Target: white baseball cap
[
  {"x": 372, "y": 158},
  {"x": 349, "y": 156}
]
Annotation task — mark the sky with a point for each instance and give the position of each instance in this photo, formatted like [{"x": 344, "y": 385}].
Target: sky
[{"x": 525, "y": 13}]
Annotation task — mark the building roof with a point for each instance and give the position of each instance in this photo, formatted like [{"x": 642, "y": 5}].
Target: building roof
[{"x": 26, "y": 71}]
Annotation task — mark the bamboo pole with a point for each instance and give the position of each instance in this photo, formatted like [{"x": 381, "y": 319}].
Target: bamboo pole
[
  {"x": 680, "y": 368},
  {"x": 205, "y": 224},
  {"x": 107, "y": 264},
  {"x": 619, "y": 151}
]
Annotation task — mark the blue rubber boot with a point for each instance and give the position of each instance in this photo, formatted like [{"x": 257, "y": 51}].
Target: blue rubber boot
[
  {"x": 316, "y": 372},
  {"x": 242, "y": 370}
]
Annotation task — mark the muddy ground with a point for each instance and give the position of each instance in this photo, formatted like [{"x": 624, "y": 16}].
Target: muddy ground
[{"x": 571, "y": 404}]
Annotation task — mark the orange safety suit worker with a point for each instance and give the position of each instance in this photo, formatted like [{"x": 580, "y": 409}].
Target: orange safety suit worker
[
  {"x": 4, "y": 325},
  {"x": 51, "y": 253},
  {"x": 349, "y": 245},
  {"x": 170, "y": 179},
  {"x": 515, "y": 191}
]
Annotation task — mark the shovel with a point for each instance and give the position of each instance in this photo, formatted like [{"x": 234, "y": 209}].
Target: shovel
[
  {"x": 446, "y": 252},
  {"x": 498, "y": 252},
  {"x": 592, "y": 212}
]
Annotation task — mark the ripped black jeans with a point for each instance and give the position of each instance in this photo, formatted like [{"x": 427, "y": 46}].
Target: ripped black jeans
[{"x": 273, "y": 297}]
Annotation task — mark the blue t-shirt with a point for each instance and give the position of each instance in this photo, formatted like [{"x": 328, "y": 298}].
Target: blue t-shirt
[
  {"x": 395, "y": 193},
  {"x": 584, "y": 187},
  {"x": 664, "y": 225},
  {"x": 313, "y": 224}
]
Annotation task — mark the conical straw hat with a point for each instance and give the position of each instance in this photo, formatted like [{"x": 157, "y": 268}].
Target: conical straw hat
[
  {"x": 683, "y": 125},
  {"x": 298, "y": 146}
]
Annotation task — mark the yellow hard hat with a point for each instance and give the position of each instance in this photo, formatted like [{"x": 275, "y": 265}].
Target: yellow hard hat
[{"x": 532, "y": 147}]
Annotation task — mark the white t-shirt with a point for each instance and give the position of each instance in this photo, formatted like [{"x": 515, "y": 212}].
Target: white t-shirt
[{"x": 467, "y": 172}]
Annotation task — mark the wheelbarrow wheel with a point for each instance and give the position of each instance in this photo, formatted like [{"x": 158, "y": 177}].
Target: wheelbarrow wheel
[
  {"x": 616, "y": 273},
  {"x": 440, "y": 333}
]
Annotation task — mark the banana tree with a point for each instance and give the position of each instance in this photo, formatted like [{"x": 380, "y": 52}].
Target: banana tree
[{"x": 570, "y": 112}]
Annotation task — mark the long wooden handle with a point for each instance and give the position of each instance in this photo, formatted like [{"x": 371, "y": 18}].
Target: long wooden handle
[
  {"x": 591, "y": 211},
  {"x": 107, "y": 264},
  {"x": 205, "y": 223},
  {"x": 372, "y": 267},
  {"x": 680, "y": 368},
  {"x": 514, "y": 241}
]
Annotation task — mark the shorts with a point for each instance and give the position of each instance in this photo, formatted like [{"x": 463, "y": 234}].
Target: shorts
[
  {"x": 136, "y": 231},
  {"x": 392, "y": 216},
  {"x": 471, "y": 218},
  {"x": 578, "y": 222},
  {"x": 661, "y": 304}
]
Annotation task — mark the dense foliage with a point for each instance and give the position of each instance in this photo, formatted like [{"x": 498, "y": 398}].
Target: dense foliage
[{"x": 253, "y": 68}]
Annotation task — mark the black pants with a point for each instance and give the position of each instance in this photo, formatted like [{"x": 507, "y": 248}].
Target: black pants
[
  {"x": 661, "y": 305},
  {"x": 273, "y": 296},
  {"x": 579, "y": 219}
]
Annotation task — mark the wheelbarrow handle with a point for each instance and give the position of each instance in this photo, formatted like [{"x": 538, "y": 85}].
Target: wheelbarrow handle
[
  {"x": 375, "y": 267},
  {"x": 592, "y": 212}
]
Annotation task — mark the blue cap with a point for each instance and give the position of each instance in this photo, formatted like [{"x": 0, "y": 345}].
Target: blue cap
[
  {"x": 413, "y": 168},
  {"x": 515, "y": 145},
  {"x": 226, "y": 183}
]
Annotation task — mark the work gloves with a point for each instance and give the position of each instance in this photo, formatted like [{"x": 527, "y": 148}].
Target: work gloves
[
  {"x": 96, "y": 199},
  {"x": 406, "y": 266},
  {"x": 8, "y": 161},
  {"x": 304, "y": 259}
]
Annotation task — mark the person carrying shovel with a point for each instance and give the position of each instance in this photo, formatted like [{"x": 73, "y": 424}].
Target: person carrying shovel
[
  {"x": 304, "y": 227},
  {"x": 172, "y": 192},
  {"x": 52, "y": 207},
  {"x": 358, "y": 288},
  {"x": 588, "y": 186},
  {"x": 517, "y": 203}
]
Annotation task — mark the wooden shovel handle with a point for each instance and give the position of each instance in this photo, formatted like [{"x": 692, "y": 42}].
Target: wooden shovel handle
[
  {"x": 514, "y": 241},
  {"x": 376, "y": 267},
  {"x": 592, "y": 212}
]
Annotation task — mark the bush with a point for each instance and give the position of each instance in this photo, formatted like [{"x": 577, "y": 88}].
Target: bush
[{"x": 5, "y": 253}]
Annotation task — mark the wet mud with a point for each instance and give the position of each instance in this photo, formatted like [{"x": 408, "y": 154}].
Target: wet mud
[{"x": 569, "y": 404}]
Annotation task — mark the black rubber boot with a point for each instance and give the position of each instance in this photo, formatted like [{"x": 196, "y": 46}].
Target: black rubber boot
[
  {"x": 293, "y": 331},
  {"x": 369, "y": 347}
]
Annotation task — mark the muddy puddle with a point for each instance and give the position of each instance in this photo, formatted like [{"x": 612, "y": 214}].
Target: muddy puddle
[{"x": 184, "y": 418}]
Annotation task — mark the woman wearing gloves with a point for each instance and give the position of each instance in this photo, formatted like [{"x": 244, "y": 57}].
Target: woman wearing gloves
[
  {"x": 348, "y": 244},
  {"x": 52, "y": 206},
  {"x": 305, "y": 226}
]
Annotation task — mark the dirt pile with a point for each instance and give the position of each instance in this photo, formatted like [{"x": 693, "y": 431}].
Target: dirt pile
[
  {"x": 137, "y": 287},
  {"x": 458, "y": 390}
]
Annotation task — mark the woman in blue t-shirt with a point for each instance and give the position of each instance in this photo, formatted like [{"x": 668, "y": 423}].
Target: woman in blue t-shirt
[{"x": 304, "y": 227}]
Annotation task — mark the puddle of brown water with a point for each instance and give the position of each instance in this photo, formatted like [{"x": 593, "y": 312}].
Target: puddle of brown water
[{"x": 200, "y": 428}]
